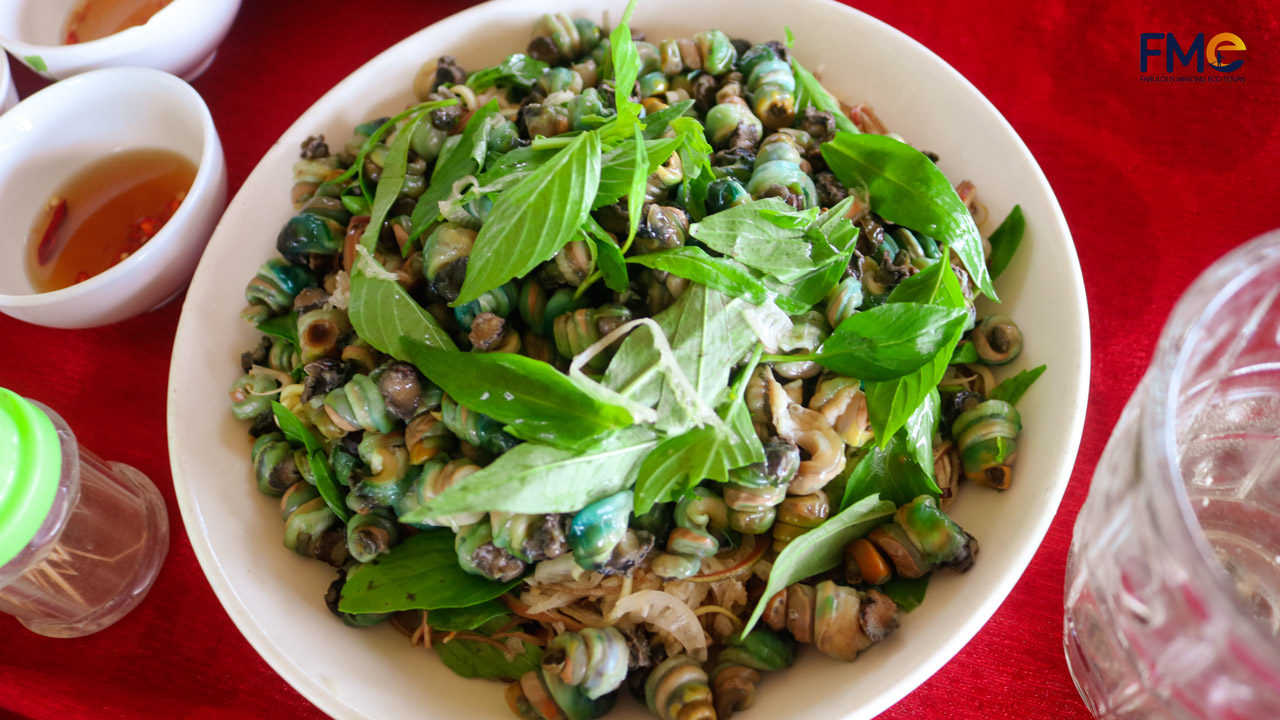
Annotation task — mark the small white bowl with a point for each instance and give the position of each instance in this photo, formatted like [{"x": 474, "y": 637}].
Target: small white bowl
[
  {"x": 181, "y": 38},
  {"x": 56, "y": 132}
]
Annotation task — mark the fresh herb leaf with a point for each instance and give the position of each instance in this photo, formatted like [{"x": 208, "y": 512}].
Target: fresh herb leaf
[
  {"x": 626, "y": 66},
  {"x": 356, "y": 169},
  {"x": 382, "y": 312},
  {"x": 635, "y": 192},
  {"x": 707, "y": 334},
  {"x": 471, "y": 658},
  {"x": 36, "y": 62},
  {"x": 908, "y": 189},
  {"x": 705, "y": 453},
  {"x": 536, "y": 401},
  {"x": 518, "y": 70},
  {"x": 693, "y": 263},
  {"x": 891, "y": 340},
  {"x": 391, "y": 181},
  {"x": 293, "y": 428},
  {"x": 820, "y": 549},
  {"x": 656, "y": 123},
  {"x": 965, "y": 352},
  {"x": 908, "y": 593},
  {"x": 810, "y": 93},
  {"x": 299, "y": 434},
  {"x": 1012, "y": 389},
  {"x": 791, "y": 38},
  {"x": 327, "y": 486},
  {"x": 930, "y": 286},
  {"x": 421, "y": 573},
  {"x": 833, "y": 239},
  {"x": 695, "y": 151},
  {"x": 533, "y": 478},
  {"x": 892, "y": 472},
  {"x": 535, "y": 218},
  {"x": 466, "y": 618},
  {"x": 618, "y": 168},
  {"x": 767, "y": 235},
  {"x": 891, "y": 402},
  {"x": 466, "y": 160},
  {"x": 609, "y": 261},
  {"x": 917, "y": 435},
  {"x": 284, "y": 327},
  {"x": 1005, "y": 241}
]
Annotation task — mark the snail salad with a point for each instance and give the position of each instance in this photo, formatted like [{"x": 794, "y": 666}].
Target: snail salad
[{"x": 585, "y": 388}]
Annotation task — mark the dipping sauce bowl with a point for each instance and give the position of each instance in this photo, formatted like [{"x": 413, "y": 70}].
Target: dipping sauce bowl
[{"x": 51, "y": 135}]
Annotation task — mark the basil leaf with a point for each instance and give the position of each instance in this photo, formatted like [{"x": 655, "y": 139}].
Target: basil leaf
[
  {"x": 519, "y": 162},
  {"x": 908, "y": 189},
  {"x": 833, "y": 244},
  {"x": 535, "y": 218},
  {"x": 891, "y": 340},
  {"x": 965, "y": 353},
  {"x": 917, "y": 435},
  {"x": 680, "y": 462},
  {"x": 925, "y": 287},
  {"x": 609, "y": 260},
  {"x": 532, "y": 478},
  {"x": 475, "y": 659},
  {"x": 466, "y": 618},
  {"x": 656, "y": 123},
  {"x": 618, "y": 168},
  {"x": 327, "y": 486},
  {"x": 518, "y": 70},
  {"x": 862, "y": 481},
  {"x": 36, "y": 62},
  {"x": 810, "y": 93},
  {"x": 1005, "y": 241},
  {"x": 908, "y": 593},
  {"x": 695, "y": 151},
  {"x": 284, "y": 327},
  {"x": 891, "y": 402},
  {"x": 293, "y": 429},
  {"x": 765, "y": 234},
  {"x": 391, "y": 181},
  {"x": 465, "y": 160},
  {"x": 892, "y": 472},
  {"x": 382, "y": 312},
  {"x": 820, "y": 549},
  {"x": 693, "y": 263},
  {"x": 635, "y": 192},
  {"x": 707, "y": 334},
  {"x": 1011, "y": 389},
  {"x": 626, "y": 66},
  {"x": 536, "y": 401},
  {"x": 421, "y": 573}
]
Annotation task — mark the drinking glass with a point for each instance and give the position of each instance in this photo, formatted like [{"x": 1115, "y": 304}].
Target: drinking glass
[{"x": 1173, "y": 581}]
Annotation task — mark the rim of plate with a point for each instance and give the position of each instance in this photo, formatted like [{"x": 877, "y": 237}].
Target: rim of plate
[{"x": 329, "y": 701}]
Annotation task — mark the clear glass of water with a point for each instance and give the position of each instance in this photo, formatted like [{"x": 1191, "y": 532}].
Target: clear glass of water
[{"x": 1173, "y": 582}]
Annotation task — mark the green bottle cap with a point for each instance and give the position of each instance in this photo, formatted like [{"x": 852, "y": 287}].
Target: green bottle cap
[{"x": 30, "y": 469}]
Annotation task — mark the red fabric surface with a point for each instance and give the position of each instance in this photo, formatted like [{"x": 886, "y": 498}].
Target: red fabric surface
[{"x": 1156, "y": 181}]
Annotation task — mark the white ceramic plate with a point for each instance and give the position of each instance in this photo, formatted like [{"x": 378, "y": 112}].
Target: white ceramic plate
[{"x": 274, "y": 596}]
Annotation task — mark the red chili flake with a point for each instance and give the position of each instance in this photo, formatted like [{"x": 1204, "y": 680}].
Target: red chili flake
[
  {"x": 72, "y": 38},
  {"x": 57, "y": 213},
  {"x": 81, "y": 277}
]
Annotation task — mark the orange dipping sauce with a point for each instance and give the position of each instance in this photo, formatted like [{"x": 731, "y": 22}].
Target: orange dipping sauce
[
  {"x": 104, "y": 214},
  {"x": 95, "y": 19}
]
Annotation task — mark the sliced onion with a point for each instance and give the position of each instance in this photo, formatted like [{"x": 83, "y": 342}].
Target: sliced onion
[{"x": 665, "y": 612}]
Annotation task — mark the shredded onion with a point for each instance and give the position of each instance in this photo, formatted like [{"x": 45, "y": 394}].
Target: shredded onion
[{"x": 667, "y": 613}]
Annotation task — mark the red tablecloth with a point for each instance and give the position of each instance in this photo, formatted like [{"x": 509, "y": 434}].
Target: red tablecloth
[{"x": 1157, "y": 180}]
